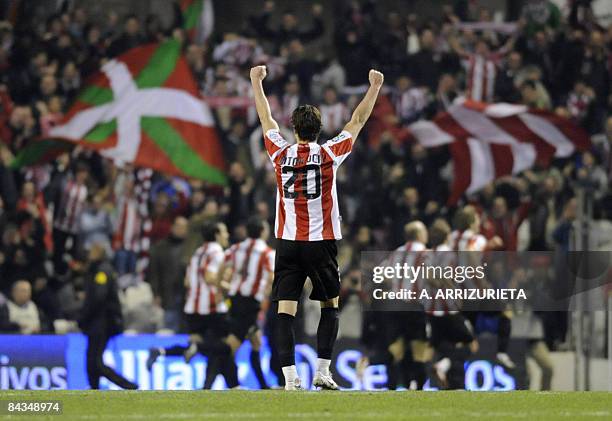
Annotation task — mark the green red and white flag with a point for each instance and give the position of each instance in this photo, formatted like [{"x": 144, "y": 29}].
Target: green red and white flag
[
  {"x": 143, "y": 108},
  {"x": 198, "y": 19}
]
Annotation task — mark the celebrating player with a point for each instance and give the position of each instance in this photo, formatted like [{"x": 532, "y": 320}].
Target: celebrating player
[
  {"x": 205, "y": 311},
  {"x": 308, "y": 220},
  {"x": 249, "y": 272}
]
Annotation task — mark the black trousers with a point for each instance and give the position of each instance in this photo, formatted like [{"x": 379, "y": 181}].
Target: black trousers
[{"x": 96, "y": 344}]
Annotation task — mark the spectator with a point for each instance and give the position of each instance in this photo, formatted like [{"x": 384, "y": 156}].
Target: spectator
[
  {"x": 166, "y": 273},
  {"x": 95, "y": 223},
  {"x": 580, "y": 102},
  {"x": 353, "y": 51},
  {"x": 532, "y": 97},
  {"x": 540, "y": 15},
  {"x": 69, "y": 203},
  {"x": 71, "y": 80},
  {"x": 409, "y": 101},
  {"x": 446, "y": 93},
  {"x": 22, "y": 310},
  {"x": 594, "y": 66},
  {"x": 603, "y": 145},
  {"x": 592, "y": 174},
  {"x": 290, "y": 99},
  {"x": 426, "y": 64},
  {"x": 33, "y": 203},
  {"x": 507, "y": 80},
  {"x": 334, "y": 113},
  {"x": 130, "y": 38},
  {"x": 6, "y": 326},
  {"x": 504, "y": 223},
  {"x": 288, "y": 30},
  {"x": 164, "y": 214}
]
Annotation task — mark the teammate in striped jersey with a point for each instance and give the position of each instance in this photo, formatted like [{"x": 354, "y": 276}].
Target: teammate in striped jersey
[
  {"x": 467, "y": 238},
  {"x": 406, "y": 327},
  {"x": 205, "y": 311},
  {"x": 451, "y": 333},
  {"x": 308, "y": 220},
  {"x": 250, "y": 266},
  {"x": 412, "y": 327}
]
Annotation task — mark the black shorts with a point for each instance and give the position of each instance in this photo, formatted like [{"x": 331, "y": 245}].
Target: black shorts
[
  {"x": 453, "y": 328},
  {"x": 296, "y": 260},
  {"x": 410, "y": 325},
  {"x": 215, "y": 324},
  {"x": 243, "y": 315}
]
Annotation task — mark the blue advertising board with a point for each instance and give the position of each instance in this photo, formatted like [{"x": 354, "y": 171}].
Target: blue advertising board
[{"x": 58, "y": 362}]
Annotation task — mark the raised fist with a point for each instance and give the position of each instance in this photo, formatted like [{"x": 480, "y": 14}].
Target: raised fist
[
  {"x": 258, "y": 73},
  {"x": 376, "y": 78}
]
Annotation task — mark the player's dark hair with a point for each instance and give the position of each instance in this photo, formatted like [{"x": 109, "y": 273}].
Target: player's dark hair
[
  {"x": 255, "y": 226},
  {"x": 210, "y": 230},
  {"x": 306, "y": 121}
]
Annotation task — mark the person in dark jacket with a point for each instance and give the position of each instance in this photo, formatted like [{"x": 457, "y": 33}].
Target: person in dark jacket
[
  {"x": 288, "y": 29},
  {"x": 101, "y": 317},
  {"x": 131, "y": 37}
]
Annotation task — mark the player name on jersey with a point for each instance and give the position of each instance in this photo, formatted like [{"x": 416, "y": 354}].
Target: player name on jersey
[{"x": 298, "y": 160}]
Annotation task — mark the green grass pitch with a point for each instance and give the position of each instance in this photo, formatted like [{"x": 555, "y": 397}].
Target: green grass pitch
[{"x": 311, "y": 405}]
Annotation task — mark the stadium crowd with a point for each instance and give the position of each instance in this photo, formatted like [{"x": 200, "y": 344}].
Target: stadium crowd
[{"x": 150, "y": 223}]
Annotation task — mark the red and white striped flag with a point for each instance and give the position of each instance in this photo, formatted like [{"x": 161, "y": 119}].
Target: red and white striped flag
[{"x": 488, "y": 141}]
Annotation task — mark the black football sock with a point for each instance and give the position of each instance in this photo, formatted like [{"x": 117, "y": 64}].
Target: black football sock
[
  {"x": 230, "y": 371},
  {"x": 327, "y": 332},
  {"x": 256, "y": 365},
  {"x": 392, "y": 370},
  {"x": 212, "y": 369},
  {"x": 503, "y": 333},
  {"x": 285, "y": 339},
  {"x": 419, "y": 374}
]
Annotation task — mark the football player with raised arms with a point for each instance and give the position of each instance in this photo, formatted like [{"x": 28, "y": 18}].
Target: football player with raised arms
[{"x": 308, "y": 220}]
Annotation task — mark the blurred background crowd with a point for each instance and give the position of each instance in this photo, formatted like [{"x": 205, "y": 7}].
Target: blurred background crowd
[{"x": 549, "y": 57}]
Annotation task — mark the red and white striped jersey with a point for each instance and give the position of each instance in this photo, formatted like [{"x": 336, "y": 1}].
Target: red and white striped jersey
[
  {"x": 307, "y": 201},
  {"x": 472, "y": 245},
  {"x": 441, "y": 256},
  {"x": 71, "y": 204},
  {"x": 334, "y": 116},
  {"x": 467, "y": 241},
  {"x": 202, "y": 297},
  {"x": 411, "y": 254},
  {"x": 252, "y": 263},
  {"x": 481, "y": 73},
  {"x": 129, "y": 224}
]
